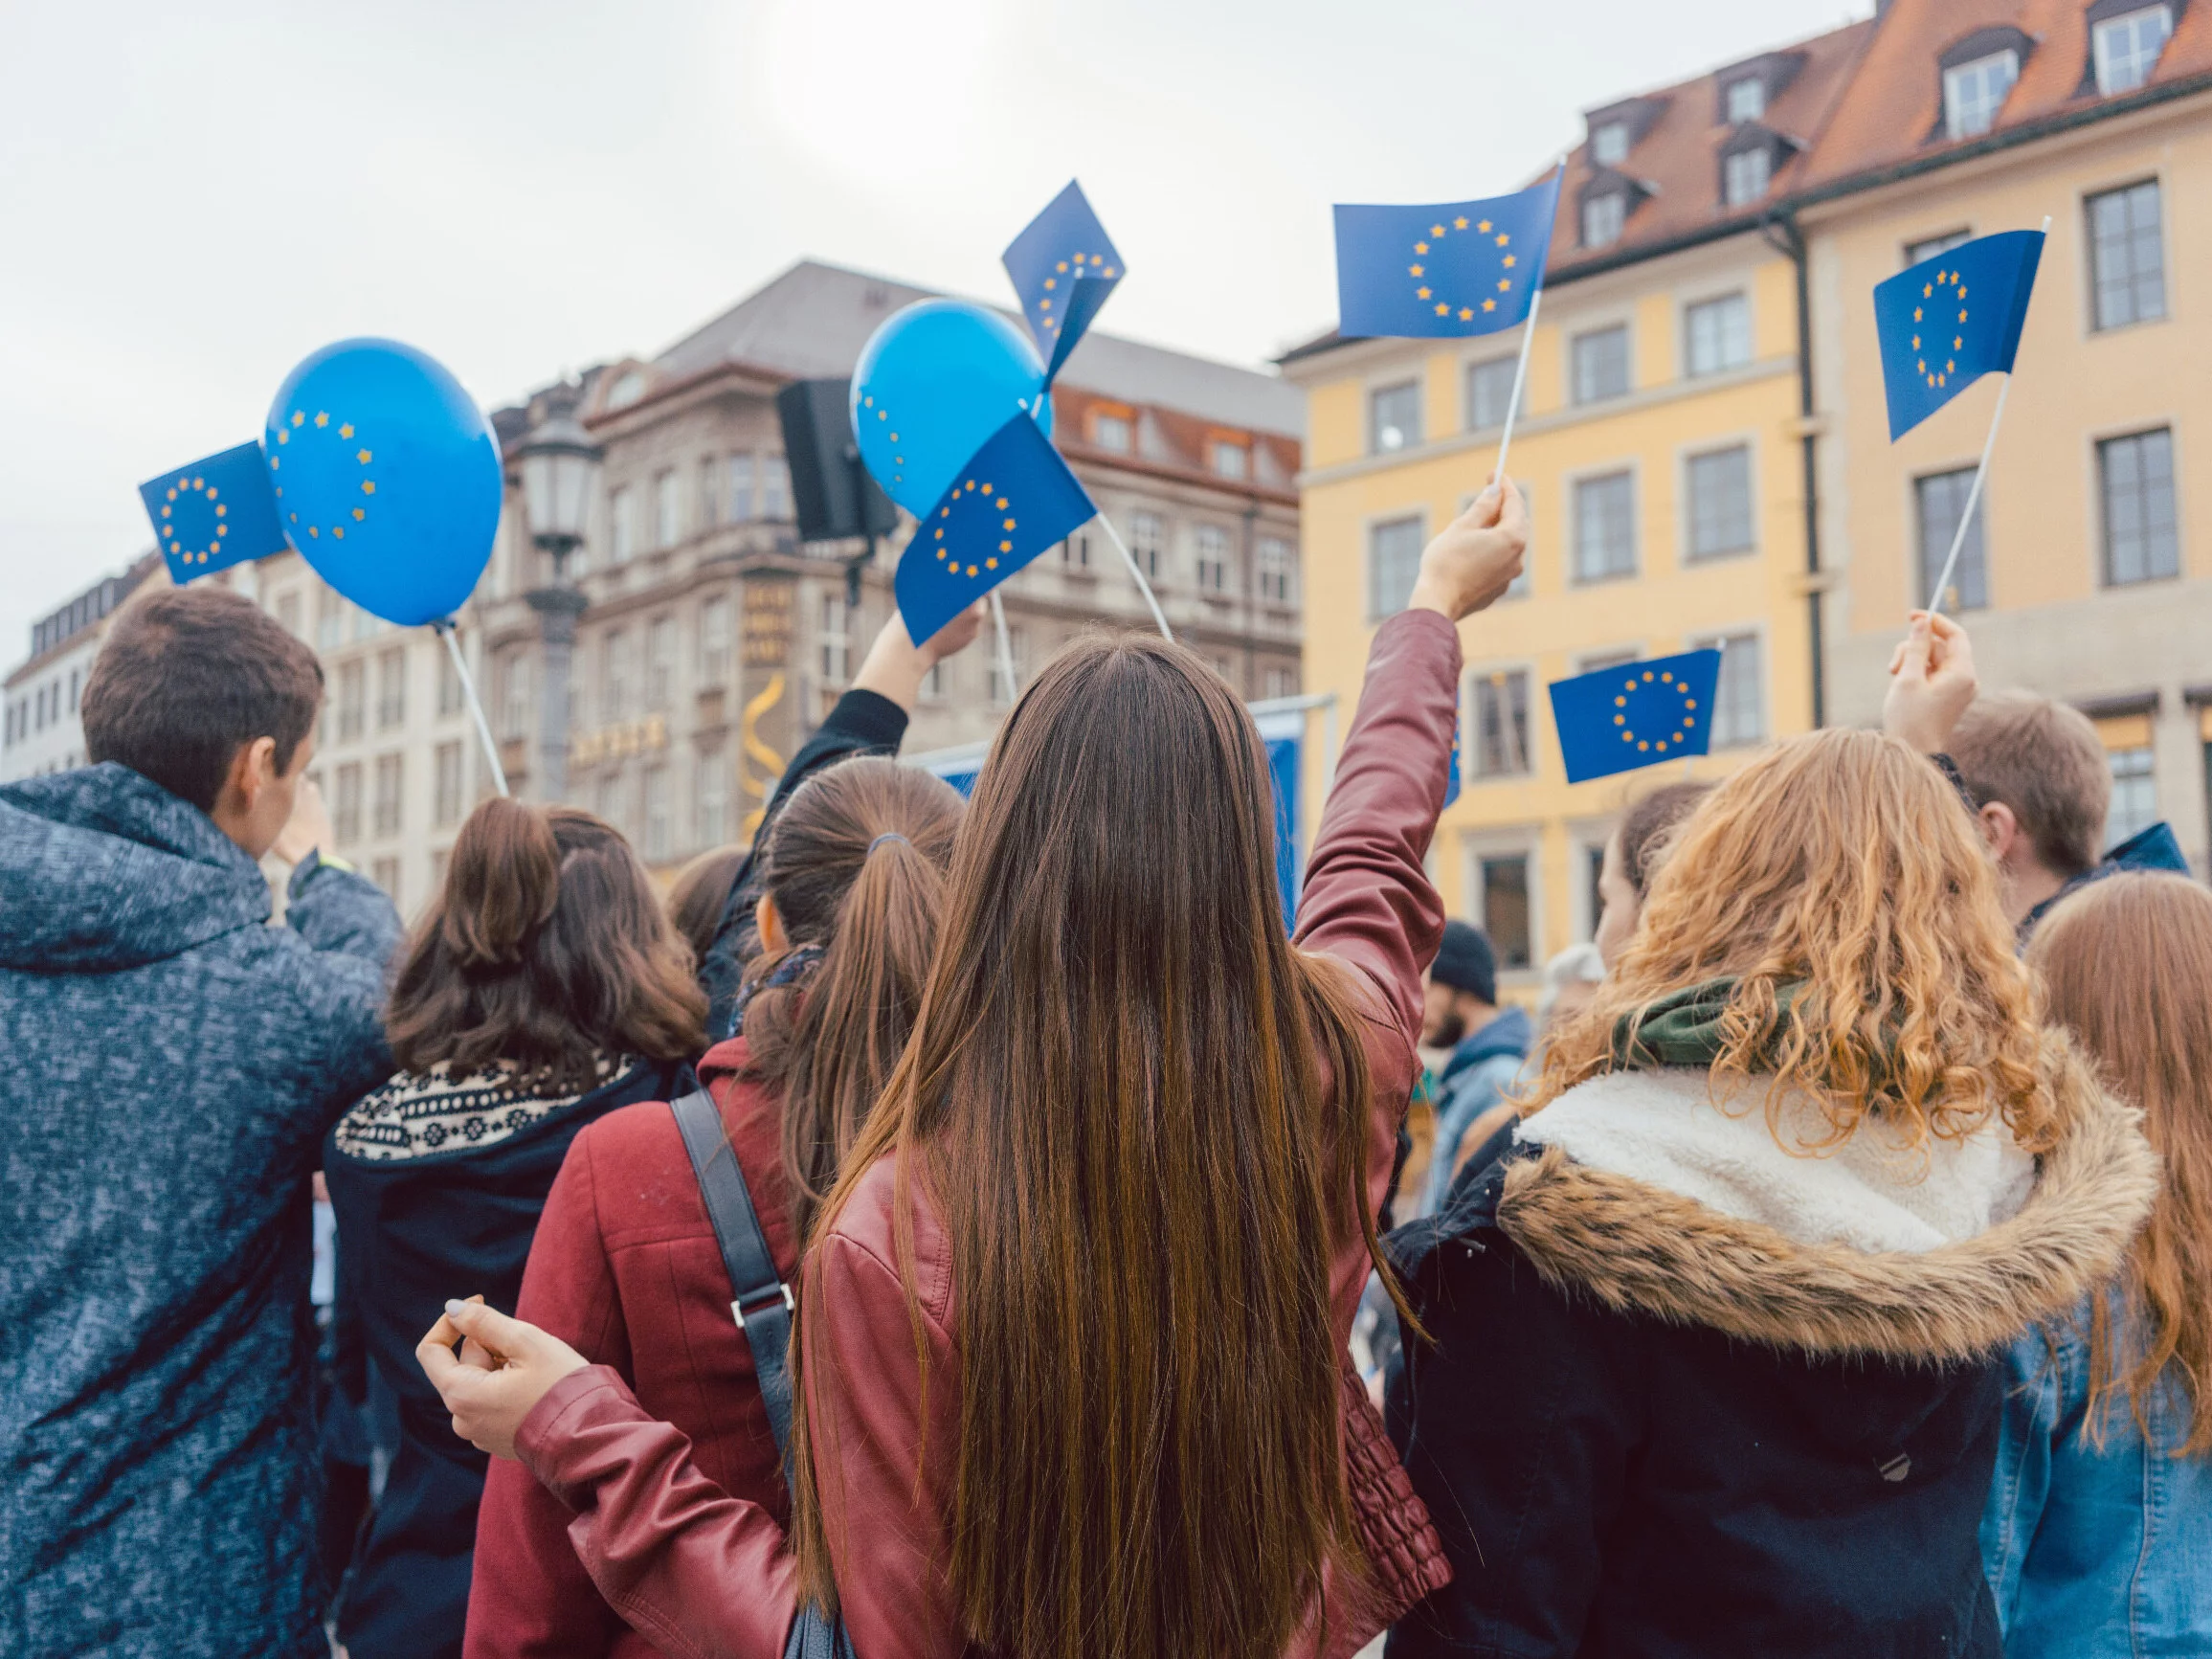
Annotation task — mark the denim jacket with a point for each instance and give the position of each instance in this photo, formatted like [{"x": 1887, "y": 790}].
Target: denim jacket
[{"x": 2092, "y": 1553}]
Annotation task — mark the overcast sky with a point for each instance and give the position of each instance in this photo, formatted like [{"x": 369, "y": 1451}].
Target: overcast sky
[{"x": 194, "y": 196}]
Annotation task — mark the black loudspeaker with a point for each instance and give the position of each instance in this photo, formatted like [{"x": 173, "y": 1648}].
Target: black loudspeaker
[{"x": 834, "y": 496}]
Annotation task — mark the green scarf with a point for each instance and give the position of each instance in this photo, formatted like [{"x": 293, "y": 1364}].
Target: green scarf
[{"x": 1683, "y": 1027}]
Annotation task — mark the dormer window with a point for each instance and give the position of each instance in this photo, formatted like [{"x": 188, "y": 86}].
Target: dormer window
[
  {"x": 1745, "y": 100},
  {"x": 1602, "y": 218},
  {"x": 1744, "y": 175},
  {"x": 1609, "y": 144},
  {"x": 626, "y": 391},
  {"x": 2127, "y": 46},
  {"x": 1974, "y": 91}
]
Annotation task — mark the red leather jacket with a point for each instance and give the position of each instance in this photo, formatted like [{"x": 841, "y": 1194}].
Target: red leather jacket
[
  {"x": 625, "y": 1269},
  {"x": 703, "y": 1569}
]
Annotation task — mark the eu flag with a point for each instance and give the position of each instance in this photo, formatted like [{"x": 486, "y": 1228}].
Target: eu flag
[
  {"x": 1063, "y": 266},
  {"x": 1442, "y": 272},
  {"x": 1949, "y": 321},
  {"x": 1637, "y": 714},
  {"x": 214, "y": 513},
  {"x": 1015, "y": 499}
]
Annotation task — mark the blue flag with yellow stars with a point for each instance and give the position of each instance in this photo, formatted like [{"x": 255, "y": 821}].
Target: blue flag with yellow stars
[
  {"x": 214, "y": 513},
  {"x": 1015, "y": 499},
  {"x": 1063, "y": 266},
  {"x": 1442, "y": 272},
  {"x": 1637, "y": 714},
  {"x": 1949, "y": 321}
]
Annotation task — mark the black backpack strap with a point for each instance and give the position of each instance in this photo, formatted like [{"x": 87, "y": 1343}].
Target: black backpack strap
[{"x": 762, "y": 1302}]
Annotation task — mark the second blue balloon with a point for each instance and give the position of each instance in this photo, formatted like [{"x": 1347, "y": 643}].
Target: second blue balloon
[{"x": 933, "y": 383}]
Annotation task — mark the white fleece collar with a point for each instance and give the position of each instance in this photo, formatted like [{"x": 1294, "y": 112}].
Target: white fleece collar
[{"x": 1664, "y": 1127}]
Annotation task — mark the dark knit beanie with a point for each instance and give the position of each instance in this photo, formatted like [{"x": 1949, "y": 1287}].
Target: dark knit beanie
[{"x": 1466, "y": 961}]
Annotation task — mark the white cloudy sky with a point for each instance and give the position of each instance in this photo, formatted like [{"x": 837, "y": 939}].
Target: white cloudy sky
[{"x": 193, "y": 196}]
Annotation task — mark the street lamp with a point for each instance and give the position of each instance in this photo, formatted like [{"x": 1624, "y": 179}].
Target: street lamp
[{"x": 560, "y": 472}]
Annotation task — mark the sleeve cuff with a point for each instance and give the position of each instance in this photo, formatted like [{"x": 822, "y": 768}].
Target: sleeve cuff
[
  {"x": 595, "y": 1394},
  {"x": 871, "y": 717},
  {"x": 317, "y": 859}
]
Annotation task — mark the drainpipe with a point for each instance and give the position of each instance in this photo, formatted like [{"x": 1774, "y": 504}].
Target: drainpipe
[{"x": 1791, "y": 241}]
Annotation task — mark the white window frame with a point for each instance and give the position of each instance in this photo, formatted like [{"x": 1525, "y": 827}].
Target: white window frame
[
  {"x": 1685, "y": 537},
  {"x": 1699, "y": 304},
  {"x": 1742, "y": 84},
  {"x": 1957, "y": 119},
  {"x": 1572, "y": 515},
  {"x": 1526, "y": 842},
  {"x": 1713, "y": 636},
  {"x": 1608, "y": 212},
  {"x": 1738, "y": 190},
  {"x": 2105, "y": 30},
  {"x": 1609, "y": 144},
  {"x": 1471, "y": 772},
  {"x": 1420, "y": 517}
]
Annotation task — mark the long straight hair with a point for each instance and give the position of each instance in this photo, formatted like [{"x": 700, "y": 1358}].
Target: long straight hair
[
  {"x": 2127, "y": 966},
  {"x": 856, "y": 868},
  {"x": 1140, "y": 1114}
]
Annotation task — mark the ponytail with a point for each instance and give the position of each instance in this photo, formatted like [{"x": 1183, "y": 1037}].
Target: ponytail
[{"x": 856, "y": 868}]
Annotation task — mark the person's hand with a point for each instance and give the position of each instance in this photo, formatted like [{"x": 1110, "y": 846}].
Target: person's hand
[
  {"x": 505, "y": 1367},
  {"x": 895, "y": 665},
  {"x": 307, "y": 828},
  {"x": 956, "y": 636},
  {"x": 1931, "y": 682},
  {"x": 1474, "y": 559}
]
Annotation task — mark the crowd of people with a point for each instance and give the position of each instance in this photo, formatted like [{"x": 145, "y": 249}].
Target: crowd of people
[{"x": 955, "y": 1226}]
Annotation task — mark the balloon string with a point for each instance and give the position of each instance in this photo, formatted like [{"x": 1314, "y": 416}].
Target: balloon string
[{"x": 446, "y": 631}]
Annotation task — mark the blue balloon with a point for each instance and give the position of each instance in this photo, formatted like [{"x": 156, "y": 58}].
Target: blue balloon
[
  {"x": 386, "y": 477},
  {"x": 934, "y": 381}
]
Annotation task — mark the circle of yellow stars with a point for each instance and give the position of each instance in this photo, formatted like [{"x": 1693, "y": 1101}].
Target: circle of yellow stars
[
  {"x": 362, "y": 457},
  {"x": 1655, "y": 745},
  {"x": 897, "y": 460},
  {"x": 187, "y": 486},
  {"x": 1954, "y": 284},
  {"x": 1083, "y": 265},
  {"x": 1437, "y": 233},
  {"x": 972, "y": 487}
]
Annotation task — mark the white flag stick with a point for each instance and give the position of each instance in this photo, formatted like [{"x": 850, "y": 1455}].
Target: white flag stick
[
  {"x": 1143, "y": 587},
  {"x": 1520, "y": 380},
  {"x": 1974, "y": 495},
  {"x": 1005, "y": 646},
  {"x": 446, "y": 631}
]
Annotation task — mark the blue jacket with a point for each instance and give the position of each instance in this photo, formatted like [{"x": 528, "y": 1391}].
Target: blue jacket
[
  {"x": 2151, "y": 849},
  {"x": 2095, "y": 1552},
  {"x": 1475, "y": 1079},
  {"x": 171, "y": 1065}
]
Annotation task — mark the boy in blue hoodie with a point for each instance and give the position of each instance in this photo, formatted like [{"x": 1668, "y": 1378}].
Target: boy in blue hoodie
[{"x": 1488, "y": 1044}]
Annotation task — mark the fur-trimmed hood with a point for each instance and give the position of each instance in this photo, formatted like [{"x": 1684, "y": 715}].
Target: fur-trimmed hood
[{"x": 1957, "y": 1261}]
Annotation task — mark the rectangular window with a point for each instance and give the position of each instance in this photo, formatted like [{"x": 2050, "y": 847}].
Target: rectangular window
[
  {"x": 621, "y": 529},
  {"x": 1601, "y": 364},
  {"x": 709, "y": 491},
  {"x": 1720, "y": 503},
  {"x": 1942, "y": 498},
  {"x": 659, "y": 661},
  {"x": 1489, "y": 393},
  {"x": 1602, "y": 218},
  {"x": 515, "y": 706},
  {"x": 1501, "y": 723},
  {"x": 1278, "y": 560},
  {"x": 385, "y": 873},
  {"x": 2127, "y": 256},
  {"x": 2128, "y": 47},
  {"x": 1975, "y": 92},
  {"x": 1213, "y": 558},
  {"x": 345, "y": 809},
  {"x": 1747, "y": 100},
  {"x": 667, "y": 510},
  {"x": 1394, "y": 418},
  {"x": 1281, "y": 681},
  {"x": 388, "y": 793},
  {"x": 450, "y": 700},
  {"x": 614, "y": 676},
  {"x": 1147, "y": 535},
  {"x": 352, "y": 700},
  {"x": 2134, "y": 806},
  {"x": 775, "y": 488},
  {"x": 744, "y": 504},
  {"x": 936, "y": 682},
  {"x": 1075, "y": 551},
  {"x": 391, "y": 689},
  {"x": 714, "y": 642},
  {"x": 1718, "y": 334},
  {"x": 1018, "y": 648},
  {"x": 1393, "y": 549},
  {"x": 710, "y": 800},
  {"x": 1738, "y": 704},
  {"x": 288, "y": 614},
  {"x": 2140, "y": 541},
  {"x": 1927, "y": 247},
  {"x": 658, "y": 834},
  {"x": 1744, "y": 175},
  {"x": 1609, "y": 144},
  {"x": 1232, "y": 460},
  {"x": 1605, "y": 526},
  {"x": 1506, "y": 914},
  {"x": 329, "y": 620},
  {"x": 1111, "y": 431},
  {"x": 837, "y": 654},
  {"x": 446, "y": 808}
]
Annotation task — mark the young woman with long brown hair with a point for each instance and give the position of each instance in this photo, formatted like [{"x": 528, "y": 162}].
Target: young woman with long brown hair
[
  {"x": 1718, "y": 1354},
  {"x": 544, "y": 988},
  {"x": 2098, "y": 1537},
  {"x": 1073, "y": 1324},
  {"x": 626, "y": 1266}
]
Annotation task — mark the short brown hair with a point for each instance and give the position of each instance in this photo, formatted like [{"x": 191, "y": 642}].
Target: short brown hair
[
  {"x": 547, "y": 948},
  {"x": 188, "y": 677},
  {"x": 2046, "y": 762},
  {"x": 1648, "y": 824}
]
